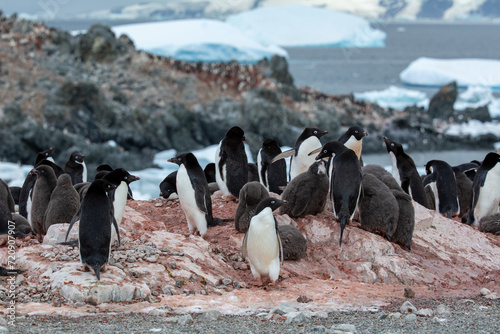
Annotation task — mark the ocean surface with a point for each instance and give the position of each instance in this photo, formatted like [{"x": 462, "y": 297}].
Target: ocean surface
[{"x": 350, "y": 70}]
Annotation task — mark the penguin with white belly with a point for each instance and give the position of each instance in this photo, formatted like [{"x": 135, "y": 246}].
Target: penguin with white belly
[
  {"x": 441, "y": 178},
  {"x": 262, "y": 244},
  {"x": 194, "y": 194}
]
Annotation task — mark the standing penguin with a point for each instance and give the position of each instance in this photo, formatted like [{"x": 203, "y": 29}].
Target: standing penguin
[
  {"x": 64, "y": 203},
  {"x": 262, "y": 244},
  {"x": 485, "y": 189},
  {"x": 121, "y": 179},
  {"x": 300, "y": 159},
  {"x": 45, "y": 183},
  {"x": 306, "y": 194},
  {"x": 44, "y": 155},
  {"x": 76, "y": 167},
  {"x": 194, "y": 195},
  {"x": 272, "y": 176},
  {"x": 6, "y": 196},
  {"x": 345, "y": 181},
  {"x": 94, "y": 235},
  {"x": 405, "y": 172},
  {"x": 168, "y": 187},
  {"x": 231, "y": 163},
  {"x": 441, "y": 179}
]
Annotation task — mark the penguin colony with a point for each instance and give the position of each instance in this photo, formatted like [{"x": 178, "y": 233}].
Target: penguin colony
[{"x": 328, "y": 176}]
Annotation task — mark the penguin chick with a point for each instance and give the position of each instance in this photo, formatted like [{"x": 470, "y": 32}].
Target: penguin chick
[
  {"x": 441, "y": 178},
  {"x": 251, "y": 195},
  {"x": 76, "y": 167},
  {"x": 294, "y": 243},
  {"x": 262, "y": 244},
  {"x": 94, "y": 235},
  {"x": 194, "y": 194},
  {"x": 231, "y": 163},
  {"x": 306, "y": 194},
  {"x": 300, "y": 160},
  {"x": 45, "y": 183},
  {"x": 272, "y": 176},
  {"x": 405, "y": 172},
  {"x": 345, "y": 181},
  {"x": 64, "y": 203},
  {"x": 490, "y": 224},
  {"x": 168, "y": 188},
  {"x": 6, "y": 196}
]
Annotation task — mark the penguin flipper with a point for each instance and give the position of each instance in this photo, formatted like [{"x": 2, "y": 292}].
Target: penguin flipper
[
  {"x": 116, "y": 229},
  {"x": 283, "y": 155},
  {"x": 73, "y": 220},
  {"x": 429, "y": 178},
  {"x": 222, "y": 162},
  {"x": 280, "y": 245},
  {"x": 200, "y": 195}
]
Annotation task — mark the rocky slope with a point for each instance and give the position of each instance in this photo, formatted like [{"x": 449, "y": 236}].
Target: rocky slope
[{"x": 96, "y": 93}]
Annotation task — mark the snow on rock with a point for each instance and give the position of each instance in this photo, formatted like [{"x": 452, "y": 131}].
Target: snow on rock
[
  {"x": 300, "y": 25},
  {"x": 394, "y": 97},
  {"x": 466, "y": 72},
  {"x": 160, "y": 267},
  {"x": 197, "y": 40},
  {"x": 473, "y": 128}
]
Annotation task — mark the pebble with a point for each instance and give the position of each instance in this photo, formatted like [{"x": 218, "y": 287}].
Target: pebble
[
  {"x": 304, "y": 299},
  {"x": 318, "y": 329},
  {"x": 442, "y": 309},
  {"x": 179, "y": 283},
  {"x": 118, "y": 265},
  {"x": 411, "y": 317},
  {"x": 382, "y": 316},
  {"x": 211, "y": 315},
  {"x": 439, "y": 320},
  {"x": 484, "y": 292},
  {"x": 185, "y": 320},
  {"x": 395, "y": 315},
  {"x": 409, "y": 293},
  {"x": 425, "y": 312},
  {"x": 407, "y": 307},
  {"x": 65, "y": 258},
  {"x": 4, "y": 329},
  {"x": 131, "y": 259},
  {"x": 344, "y": 328},
  {"x": 152, "y": 258},
  {"x": 227, "y": 281},
  {"x": 297, "y": 317}
]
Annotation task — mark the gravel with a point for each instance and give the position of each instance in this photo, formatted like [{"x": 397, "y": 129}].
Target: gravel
[{"x": 478, "y": 315}]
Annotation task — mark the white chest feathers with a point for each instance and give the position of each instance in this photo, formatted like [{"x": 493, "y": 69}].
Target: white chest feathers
[
  {"x": 302, "y": 160},
  {"x": 221, "y": 179},
  {"x": 195, "y": 217},
  {"x": 262, "y": 245}
]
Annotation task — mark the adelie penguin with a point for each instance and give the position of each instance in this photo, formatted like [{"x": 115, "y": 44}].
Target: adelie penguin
[
  {"x": 300, "y": 160},
  {"x": 194, "y": 194},
  {"x": 96, "y": 221},
  {"x": 353, "y": 139},
  {"x": 168, "y": 187},
  {"x": 405, "y": 172},
  {"x": 76, "y": 167},
  {"x": 441, "y": 179},
  {"x": 307, "y": 193},
  {"x": 271, "y": 175},
  {"x": 45, "y": 183},
  {"x": 485, "y": 189},
  {"x": 251, "y": 195},
  {"x": 64, "y": 203},
  {"x": 345, "y": 181},
  {"x": 231, "y": 163},
  {"x": 262, "y": 244}
]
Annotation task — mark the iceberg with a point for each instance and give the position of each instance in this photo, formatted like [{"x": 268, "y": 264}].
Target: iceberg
[
  {"x": 473, "y": 128},
  {"x": 300, "y": 25},
  {"x": 466, "y": 72},
  {"x": 198, "y": 40},
  {"x": 394, "y": 97}
]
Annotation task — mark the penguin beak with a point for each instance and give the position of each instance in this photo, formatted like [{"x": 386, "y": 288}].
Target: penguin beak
[
  {"x": 172, "y": 160},
  {"x": 134, "y": 178}
]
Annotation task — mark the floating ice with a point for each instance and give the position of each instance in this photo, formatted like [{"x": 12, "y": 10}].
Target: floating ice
[
  {"x": 476, "y": 96},
  {"x": 300, "y": 25},
  {"x": 394, "y": 97},
  {"x": 473, "y": 128},
  {"x": 197, "y": 40},
  {"x": 466, "y": 72}
]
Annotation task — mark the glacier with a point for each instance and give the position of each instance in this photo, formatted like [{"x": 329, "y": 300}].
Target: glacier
[
  {"x": 300, "y": 26},
  {"x": 203, "y": 40},
  {"x": 434, "y": 72}
]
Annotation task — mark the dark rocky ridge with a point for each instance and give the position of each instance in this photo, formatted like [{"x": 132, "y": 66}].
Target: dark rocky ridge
[{"x": 97, "y": 94}]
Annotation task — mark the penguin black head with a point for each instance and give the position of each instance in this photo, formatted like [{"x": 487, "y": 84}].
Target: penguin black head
[
  {"x": 319, "y": 167},
  {"x": 331, "y": 148},
  {"x": 182, "y": 158},
  {"x": 118, "y": 175},
  {"x": 44, "y": 155},
  {"x": 271, "y": 146},
  {"x": 103, "y": 184},
  {"x": 104, "y": 167},
  {"x": 490, "y": 160},
  {"x": 308, "y": 132},
  {"x": 76, "y": 157},
  {"x": 354, "y": 131},
  {"x": 269, "y": 202},
  {"x": 236, "y": 133},
  {"x": 393, "y": 146}
]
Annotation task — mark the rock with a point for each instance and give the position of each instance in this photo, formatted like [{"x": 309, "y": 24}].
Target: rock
[
  {"x": 481, "y": 114},
  {"x": 426, "y": 312},
  {"x": 185, "y": 320},
  {"x": 382, "y": 316},
  {"x": 282, "y": 309},
  {"x": 439, "y": 320},
  {"x": 297, "y": 317},
  {"x": 409, "y": 293},
  {"x": 57, "y": 233},
  {"x": 211, "y": 315},
  {"x": 492, "y": 296},
  {"x": 277, "y": 68},
  {"x": 4, "y": 329},
  {"x": 442, "y": 309},
  {"x": 318, "y": 329},
  {"x": 304, "y": 299},
  {"x": 395, "y": 315},
  {"x": 484, "y": 292},
  {"x": 441, "y": 104},
  {"x": 407, "y": 307},
  {"x": 490, "y": 224},
  {"x": 344, "y": 328},
  {"x": 410, "y": 317},
  {"x": 294, "y": 243},
  {"x": 227, "y": 281},
  {"x": 99, "y": 44}
]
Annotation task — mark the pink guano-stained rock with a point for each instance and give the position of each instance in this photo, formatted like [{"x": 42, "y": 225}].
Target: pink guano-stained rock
[{"x": 161, "y": 268}]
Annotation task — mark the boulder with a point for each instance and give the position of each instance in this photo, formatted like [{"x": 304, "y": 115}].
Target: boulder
[
  {"x": 293, "y": 242},
  {"x": 441, "y": 104}
]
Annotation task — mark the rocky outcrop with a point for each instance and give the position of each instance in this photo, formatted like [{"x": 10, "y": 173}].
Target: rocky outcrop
[{"x": 441, "y": 105}]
